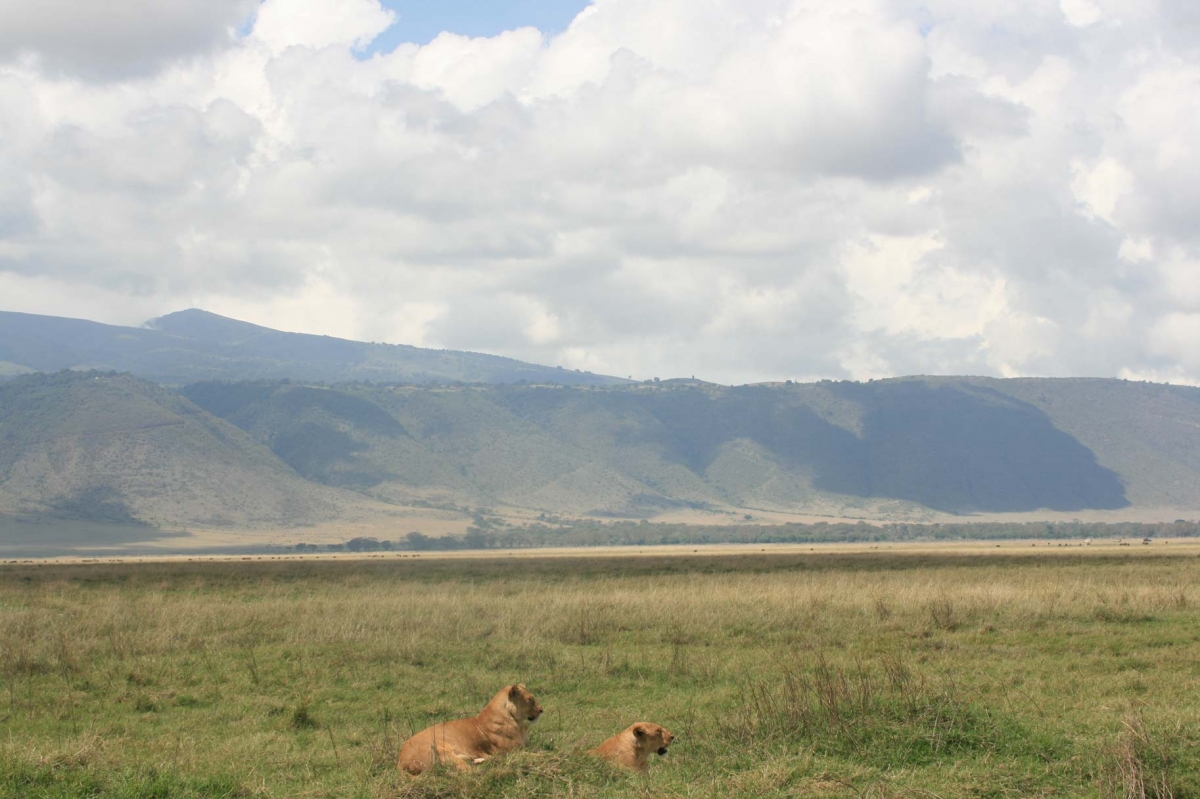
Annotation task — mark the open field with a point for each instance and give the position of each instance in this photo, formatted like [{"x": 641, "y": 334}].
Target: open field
[
  {"x": 908, "y": 670},
  {"x": 46, "y": 537},
  {"x": 1073, "y": 548}
]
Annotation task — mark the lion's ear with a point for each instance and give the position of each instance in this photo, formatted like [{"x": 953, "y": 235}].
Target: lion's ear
[
  {"x": 514, "y": 691},
  {"x": 639, "y": 731}
]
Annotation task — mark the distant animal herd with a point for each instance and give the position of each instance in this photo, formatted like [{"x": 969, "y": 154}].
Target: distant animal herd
[{"x": 503, "y": 725}]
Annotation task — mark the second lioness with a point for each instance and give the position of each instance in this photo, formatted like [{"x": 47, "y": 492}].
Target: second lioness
[
  {"x": 503, "y": 725},
  {"x": 632, "y": 747}
]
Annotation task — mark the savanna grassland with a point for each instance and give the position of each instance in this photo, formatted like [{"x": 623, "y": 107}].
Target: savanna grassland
[{"x": 1063, "y": 672}]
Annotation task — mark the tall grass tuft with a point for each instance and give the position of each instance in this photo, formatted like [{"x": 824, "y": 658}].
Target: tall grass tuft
[
  {"x": 874, "y": 710},
  {"x": 1137, "y": 765}
]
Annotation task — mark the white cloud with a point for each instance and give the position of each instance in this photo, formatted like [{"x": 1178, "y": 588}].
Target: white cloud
[
  {"x": 122, "y": 38},
  {"x": 1179, "y": 273},
  {"x": 1134, "y": 250},
  {"x": 1174, "y": 337},
  {"x": 1099, "y": 187},
  {"x": 474, "y": 72},
  {"x": 740, "y": 190},
  {"x": 899, "y": 291},
  {"x": 1080, "y": 12},
  {"x": 280, "y": 24}
]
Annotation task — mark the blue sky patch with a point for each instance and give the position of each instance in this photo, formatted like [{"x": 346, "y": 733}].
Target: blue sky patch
[{"x": 421, "y": 20}]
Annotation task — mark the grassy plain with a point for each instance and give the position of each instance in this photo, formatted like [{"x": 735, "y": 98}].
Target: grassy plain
[{"x": 848, "y": 671}]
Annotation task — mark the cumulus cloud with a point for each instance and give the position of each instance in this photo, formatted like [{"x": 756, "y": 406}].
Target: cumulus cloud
[
  {"x": 114, "y": 39},
  {"x": 280, "y": 24},
  {"x": 738, "y": 189}
]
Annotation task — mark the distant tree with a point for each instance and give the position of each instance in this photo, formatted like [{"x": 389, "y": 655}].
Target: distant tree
[
  {"x": 418, "y": 541},
  {"x": 478, "y": 539},
  {"x": 363, "y": 545}
]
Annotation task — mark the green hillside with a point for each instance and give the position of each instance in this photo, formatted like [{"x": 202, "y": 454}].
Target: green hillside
[
  {"x": 892, "y": 448},
  {"x": 104, "y": 448},
  {"x": 1145, "y": 432},
  {"x": 88, "y": 449},
  {"x": 195, "y": 345}
]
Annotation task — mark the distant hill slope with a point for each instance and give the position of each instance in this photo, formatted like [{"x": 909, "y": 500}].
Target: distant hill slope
[
  {"x": 115, "y": 449},
  {"x": 110, "y": 449},
  {"x": 888, "y": 448},
  {"x": 195, "y": 345}
]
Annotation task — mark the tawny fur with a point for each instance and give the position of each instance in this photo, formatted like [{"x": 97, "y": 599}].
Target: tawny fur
[
  {"x": 632, "y": 747},
  {"x": 503, "y": 725}
]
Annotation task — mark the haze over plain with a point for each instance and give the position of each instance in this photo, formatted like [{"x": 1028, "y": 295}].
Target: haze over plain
[{"x": 741, "y": 191}]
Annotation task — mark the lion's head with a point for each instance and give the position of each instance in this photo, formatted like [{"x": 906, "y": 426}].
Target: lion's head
[
  {"x": 525, "y": 706},
  {"x": 651, "y": 737}
]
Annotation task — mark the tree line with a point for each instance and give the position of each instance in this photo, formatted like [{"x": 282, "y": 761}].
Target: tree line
[{"x": 491, "y": 535}]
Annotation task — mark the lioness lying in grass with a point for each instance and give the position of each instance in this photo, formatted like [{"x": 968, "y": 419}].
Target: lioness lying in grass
[
  {"x": 503, "y": 725},
  {"x": 631, "y": 748}
]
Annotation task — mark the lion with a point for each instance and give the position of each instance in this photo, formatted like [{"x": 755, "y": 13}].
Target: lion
[
  {"x": 502, "y": 725},
  {"x": 631, "y": 748}
]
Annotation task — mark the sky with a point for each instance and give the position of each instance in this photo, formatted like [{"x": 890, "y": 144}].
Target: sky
[
  {"x": 740, "y": 190},
  {"x": 420, "y": 21}
]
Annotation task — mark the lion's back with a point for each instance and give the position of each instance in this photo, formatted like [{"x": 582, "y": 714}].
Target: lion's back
[
  {"x": 619, "y": 750},
  {"x": 457, "y": 740}
]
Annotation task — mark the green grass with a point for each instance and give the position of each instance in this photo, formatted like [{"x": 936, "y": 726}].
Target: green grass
[{"x": 880, "y": 674}]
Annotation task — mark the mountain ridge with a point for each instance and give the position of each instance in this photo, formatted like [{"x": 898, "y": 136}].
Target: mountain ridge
[
  {"x": 193, "y": 345},
  {"x": 106, "y": 448}
]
